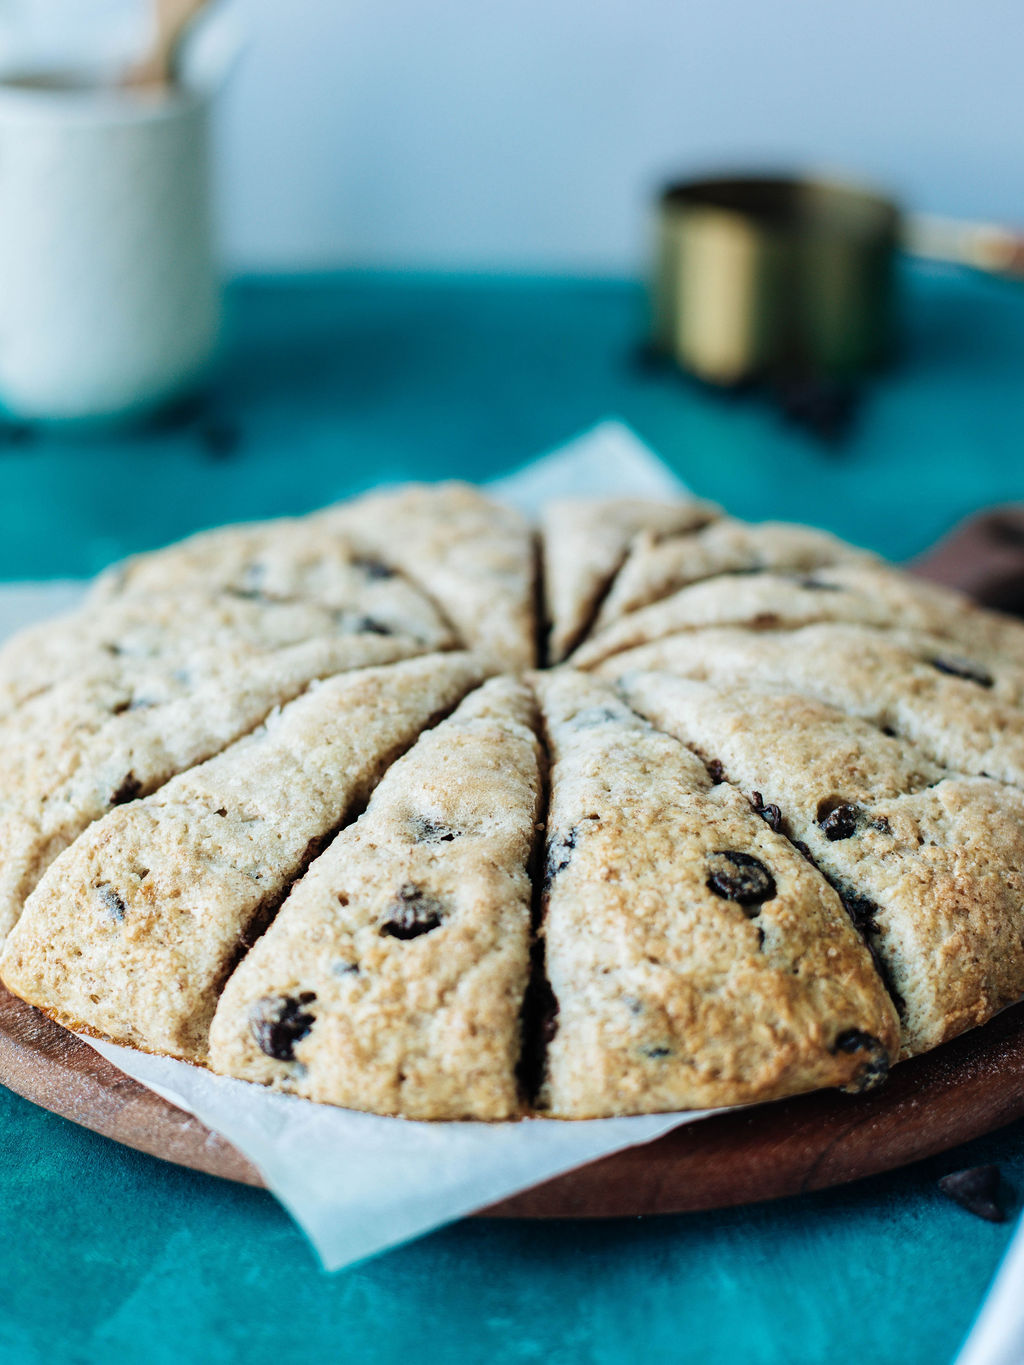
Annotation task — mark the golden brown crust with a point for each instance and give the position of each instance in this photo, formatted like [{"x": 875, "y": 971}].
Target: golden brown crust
[{"x": 806, "y": 749}]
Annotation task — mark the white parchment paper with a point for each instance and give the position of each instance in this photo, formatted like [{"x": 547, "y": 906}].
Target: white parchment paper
[{"x": 356, "y": 1183}]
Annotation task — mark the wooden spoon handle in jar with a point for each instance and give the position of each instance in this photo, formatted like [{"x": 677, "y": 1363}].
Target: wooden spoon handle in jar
[{"x": 157, "y": 66}]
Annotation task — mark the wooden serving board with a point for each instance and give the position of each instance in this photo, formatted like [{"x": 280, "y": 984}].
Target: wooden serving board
[{"x": 964, "y": 1089}]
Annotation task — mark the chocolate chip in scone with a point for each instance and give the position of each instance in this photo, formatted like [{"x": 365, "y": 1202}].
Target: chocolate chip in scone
[
  {"x": 411, "y": 913},
  {"x": 816, "y": 585},
  {"x": 374, "y": 569},
  {"x": 875, "y": 1066},
  {"x": 715, "y": 770},
  {"x": 559, "y": 856},
  {"x": 656, "y": 1053},
  {"x": 427, "y": 831},
  {"x": 962, "y": 668},
  {"x": 278, "y": 1022},
  {"x": 366, "y": 625},
  {"x": 839, "y": 822},
  {"x": 594, "y": 715},
  {"x": 769, "y": 813},
  {"x": 112, "y": 902},
  {"x": 560, "y": 851},
  {"x": 126, "y": 791},
  {"x": 740, "y": 877},
  {"x": 861, "y": 910},
  {"x": 977, "y": 1190}
]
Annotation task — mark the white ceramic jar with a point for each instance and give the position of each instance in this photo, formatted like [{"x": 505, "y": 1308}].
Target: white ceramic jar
[{"x": 109, "y": 302}]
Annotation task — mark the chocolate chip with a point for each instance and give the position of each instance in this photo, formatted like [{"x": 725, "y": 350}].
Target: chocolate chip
[
  {"x": 656, "y": 1053},
  {"x": 432, "y": 832},
  {"x": 715, "y": 770},
  {"x": 976, "y": 1190},
  {"x": 277, "y": 1022},
  {"x": 861, "y": 910},
  {"x": 962, "y": 668},
  {"x": 366, "y": 625},
  {"x": 127, "y": 791},
  {"x": 373, "y": 568},
  {"x": 805, "y": 852},
  {"x": 560, "y": 851},
  {"x": 769, "y": 813},
  {"x": 816, "y": 585},
  {"x": 594, "y": 715},
  {"x": 876, "y": 1064},
  {"x": 559, "y": 856},
  {"x": 839, "y": 823},
  {"x": 881, "y": 823},
  {"x": 739, "y": 877},
  {"x": 112, "y": 902},
  {"x": 412, "y": 913}
]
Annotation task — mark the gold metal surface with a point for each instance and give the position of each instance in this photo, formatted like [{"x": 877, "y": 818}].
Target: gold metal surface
[{"x": 765, "y": 276}]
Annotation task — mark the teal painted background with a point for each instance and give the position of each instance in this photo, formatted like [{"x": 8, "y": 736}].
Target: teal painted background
[{"x": 331, "y": 384}]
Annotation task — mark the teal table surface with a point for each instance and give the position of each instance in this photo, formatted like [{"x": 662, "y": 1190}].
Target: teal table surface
[{"x": 326, "y": 386}]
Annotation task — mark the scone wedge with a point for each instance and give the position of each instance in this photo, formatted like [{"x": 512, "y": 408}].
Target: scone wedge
[
  {"x": 80, "y": 749},
  {"x": 135, "y": 928},
  {"x": 656, "y": 568},
  {"x": 586, "y": 541},
  {"x": 475, "y": 558},
  {"x": 394, "y": 974},
  {"x": 694, "y": 957},
  {"x": 964, "y": 715},
  {"x": 929, "y": 864},
  {"x": 285, "y": 562}
]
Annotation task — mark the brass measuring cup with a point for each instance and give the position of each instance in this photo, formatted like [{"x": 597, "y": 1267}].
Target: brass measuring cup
[{"x": 772, "y": 276}]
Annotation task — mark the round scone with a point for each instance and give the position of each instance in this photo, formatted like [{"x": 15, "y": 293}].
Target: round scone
[{"x": 411, "y": 807}]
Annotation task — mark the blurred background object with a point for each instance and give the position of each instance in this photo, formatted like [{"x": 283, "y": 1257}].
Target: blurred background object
[
  {"x": 535, "y": 136},
  {"x": 436, "y": 226},
  {"x": 108, "y": 285}
]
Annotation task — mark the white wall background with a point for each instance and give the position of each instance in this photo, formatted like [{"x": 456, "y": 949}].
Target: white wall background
[{"x": 530, "y": 134}]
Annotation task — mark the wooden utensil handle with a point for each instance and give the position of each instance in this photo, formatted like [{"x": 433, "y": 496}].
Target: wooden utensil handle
[{"x": 984, "y": 557}]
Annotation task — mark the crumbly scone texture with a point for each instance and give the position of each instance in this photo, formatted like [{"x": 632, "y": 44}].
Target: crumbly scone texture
[
  {"x": 695, "y": 958},
  {"x": 657, "y": 567},
  {"x": 858, "y": 594},
  {"x": 473, "y": 556},
  {"x": 586, "y": 541},
  {"x": 148, "y": 642},
  {"x": 282, "y": 563},
  {"x": 78, "y": 750},
  {"x": 292, "y": 800},
  {"x": 964, "y": 715},
  {"x": 929, "y": 872},
  {"x": 394, "y": 974},
  {"x": 134, "y": 929}
]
